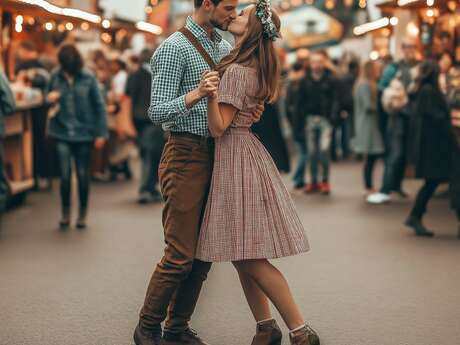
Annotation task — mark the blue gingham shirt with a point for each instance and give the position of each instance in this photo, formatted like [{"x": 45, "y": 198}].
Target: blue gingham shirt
[{"x": 176, "y": 70}]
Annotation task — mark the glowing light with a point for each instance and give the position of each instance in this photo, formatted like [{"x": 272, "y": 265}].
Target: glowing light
[
  {"x": 374, "y": 55},
  {"x": 405, "y": 2},
  {"x": 69, "y": 26},
  {"x": 148, "y": 9},
  {"x": 18, "y": 27},
  {"x": 394, "y": 21},
  {"x": 362, "y": 4},
  {"x": 49, "y": 26},
  {"x": 106, "y": 23},
  {"x": 31, "y": 21},
  {"x": 70, "y": 12},
  {"x": 19, "y": 20},
  {"x": 107, "y": 38},
  {"x": 377, "y": 24},
  {"x": 61, "y": 27},
  {"x": 430, "y": 2},
  {"x": 84, "y": 26},
  {"x": 412, "y": 29},
  {"x": 147, "y": 27},
  {"x": 430, "y": 13},
  {"x": 330, "y": 4}
]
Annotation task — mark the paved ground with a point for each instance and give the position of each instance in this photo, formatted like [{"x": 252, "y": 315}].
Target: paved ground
[{"x": 367, "y": 280}]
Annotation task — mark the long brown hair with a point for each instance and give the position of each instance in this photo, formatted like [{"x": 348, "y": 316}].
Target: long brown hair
[
  {"x": 368, "y": 74},
  {"x": 254, "y": 46}
]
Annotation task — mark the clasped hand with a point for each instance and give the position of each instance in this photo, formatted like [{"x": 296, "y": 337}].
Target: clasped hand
[{"x": 209, "y": 84}]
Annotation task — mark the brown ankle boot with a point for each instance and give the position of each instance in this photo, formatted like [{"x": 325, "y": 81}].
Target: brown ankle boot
[
  {"x": 267, "y": 333},
  {"x": 304, "y": 336}
]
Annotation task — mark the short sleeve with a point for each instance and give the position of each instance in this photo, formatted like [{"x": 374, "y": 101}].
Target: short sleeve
[{"x": 232, "y": 88}]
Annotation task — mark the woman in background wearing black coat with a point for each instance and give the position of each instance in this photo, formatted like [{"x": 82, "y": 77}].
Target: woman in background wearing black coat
[{"x": 431, "y": 141}]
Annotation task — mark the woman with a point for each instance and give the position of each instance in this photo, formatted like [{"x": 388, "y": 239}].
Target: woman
[
  {"x": 431, "y": 141},
  {"x": 368, "y": 139},
  {"x": 78, "y": 124},
  {"x": 259, "y": 221}
]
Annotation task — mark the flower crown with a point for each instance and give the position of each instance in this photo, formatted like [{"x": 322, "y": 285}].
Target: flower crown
[{"x": 264, "y": 12}]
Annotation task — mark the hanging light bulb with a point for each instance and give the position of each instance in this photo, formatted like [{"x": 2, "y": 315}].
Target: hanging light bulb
[
  {"x": 363, "y": 3},
  {"x": 429, "y": 3},
  {"x": 348, "y": 3}
]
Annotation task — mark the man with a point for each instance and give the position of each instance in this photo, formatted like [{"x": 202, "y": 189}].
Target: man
[
  {"x": 150, "y": 138},
  {"x": 178, "y": 101},
  {"x": 395, "y": 127},
  {"x": 319, "y": 103}
]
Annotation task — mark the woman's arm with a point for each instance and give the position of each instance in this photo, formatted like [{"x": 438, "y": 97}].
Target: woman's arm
[{"x": 220, "y": 116}]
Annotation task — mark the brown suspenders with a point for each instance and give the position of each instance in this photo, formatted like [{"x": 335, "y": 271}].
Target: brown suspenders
[{"x": 193, "y": 40}]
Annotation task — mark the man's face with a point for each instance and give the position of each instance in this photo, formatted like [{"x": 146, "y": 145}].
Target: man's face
[
  {"x": 317, "y": 63},
  {"x": 223, "y": 14},
  {"x": 409, "y": 51}
]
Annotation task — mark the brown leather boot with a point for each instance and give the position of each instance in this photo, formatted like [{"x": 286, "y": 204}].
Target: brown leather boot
[
  {"x": 267, "y": 333},
  {"x": 187, "y": 337},
  {"x": 304, "y": 336}
]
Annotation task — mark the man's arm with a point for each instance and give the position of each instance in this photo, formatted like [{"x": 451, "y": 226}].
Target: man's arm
[{"x": 167, "y": 68}]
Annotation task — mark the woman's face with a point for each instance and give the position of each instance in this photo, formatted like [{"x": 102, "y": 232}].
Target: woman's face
[{"x": 239, "y": 26}]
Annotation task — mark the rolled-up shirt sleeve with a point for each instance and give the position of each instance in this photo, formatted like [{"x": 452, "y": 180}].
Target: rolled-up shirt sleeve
[{"x": 167, "y": 67}]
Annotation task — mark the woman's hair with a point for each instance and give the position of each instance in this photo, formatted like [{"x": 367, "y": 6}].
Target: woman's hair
[
  {"x": 427, "y": 73},
  {"x": 367, "y": 74},
  {"x": 70, "y": 59},
  {"x": 254, "y": 46}
]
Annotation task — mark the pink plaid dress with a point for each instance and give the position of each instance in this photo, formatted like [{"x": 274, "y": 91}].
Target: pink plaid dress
[{"x": 249, "y": 212}]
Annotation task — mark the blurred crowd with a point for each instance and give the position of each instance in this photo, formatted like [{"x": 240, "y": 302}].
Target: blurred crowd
[{"x": 405, "y": 113}]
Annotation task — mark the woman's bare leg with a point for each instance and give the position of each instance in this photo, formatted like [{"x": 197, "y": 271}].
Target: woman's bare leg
[
  {"x": 257, "y": 300},
  {"x": 273, "y": 284}
]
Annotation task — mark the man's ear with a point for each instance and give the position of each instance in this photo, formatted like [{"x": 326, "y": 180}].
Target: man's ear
[{"x": 207, "y": 5}]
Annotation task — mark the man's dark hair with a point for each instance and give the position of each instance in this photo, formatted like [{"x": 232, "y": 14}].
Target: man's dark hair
[
  {"x": 145, "y": 55},
  {"x": 198, "y": 3},
  {"x": 28, "y": 45},
  {"x": 70, "y": 59}
]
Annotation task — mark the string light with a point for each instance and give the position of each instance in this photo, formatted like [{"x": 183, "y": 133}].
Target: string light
[
  {"x": 374, "y": 55},
  {"x": 69, "y": 26},
  {"x": 330, "y": 4},
  {"x": 154, "y": 29},
  {"x": 377, "y": 24},
  {"x": 19, "y": 20},
  {"x": 84, "y": 26},
  {"x": 106, "y": 23},
  {"x": 362, "y": 4},
  {"x": 49, "y": 26},
  {"x": 429, "y": 3},
  {"x": 148, "y": 9},
  {"x": 70, "y": 12},
  {"x": 394, "y": 21}
]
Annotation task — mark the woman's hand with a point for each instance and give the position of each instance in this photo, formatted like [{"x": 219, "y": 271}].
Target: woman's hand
[
  {"x": 209, "y": 84},
  {"x": 99, "y": 143}
]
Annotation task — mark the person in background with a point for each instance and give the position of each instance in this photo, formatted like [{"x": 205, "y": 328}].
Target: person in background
[
  {"x": 368, "y": 139},
  {"x": 345, "y": 86},
  {"x": 395, "y": 82},
  {"x": 150, "y": 137},
  {"x": 120, "y": 146},
  {"x": 431, "y": 141},
  {"x": 28, "y": 66},
  {"x": 319, "y": 104},
  {"x": 297, "y": 121},
  {"x": 7, "y": 105},
  {"x": 79, "y": 123}
]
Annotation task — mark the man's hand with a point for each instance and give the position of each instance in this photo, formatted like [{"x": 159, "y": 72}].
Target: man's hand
[
  {"x": 258, "y": 111},
  {"x": 53, "y": 96}
]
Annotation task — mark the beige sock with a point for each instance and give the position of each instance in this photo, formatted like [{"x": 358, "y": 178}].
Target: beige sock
[{"x": 261, "y": 321}]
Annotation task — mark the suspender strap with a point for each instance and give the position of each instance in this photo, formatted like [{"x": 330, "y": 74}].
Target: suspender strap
[{"x": 193, "y": 40}]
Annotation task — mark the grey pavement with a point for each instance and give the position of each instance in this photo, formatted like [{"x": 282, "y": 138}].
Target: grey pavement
[{"x": 367, "y": 280}]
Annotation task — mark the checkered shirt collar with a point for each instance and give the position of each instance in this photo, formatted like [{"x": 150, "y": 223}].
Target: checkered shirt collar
[{"x": 199, "y": 32}]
